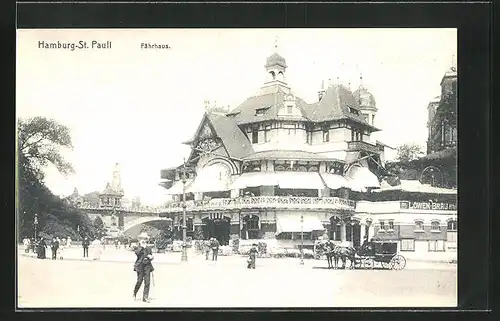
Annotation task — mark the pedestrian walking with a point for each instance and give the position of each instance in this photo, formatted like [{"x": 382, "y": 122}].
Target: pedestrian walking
[
  {"x": 85, "y": 245},
  {"x": 68, "y": 242},
  {"x": 54, "y": 246},
  {"x": 33, "y": 245},
  {"x": 252, "y": 256},
  {"x": 143, "y": 267},
  {"x": 26, "y": 243},
  {"x": 62, "y": 247},
  {"x": 41, "y": 247},
  {"x": 215, "y": 248},
  {"x": 96, "y": 249},
  {"x": 206, "y": 248}
]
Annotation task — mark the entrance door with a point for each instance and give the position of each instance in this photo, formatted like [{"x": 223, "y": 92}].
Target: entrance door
[{"x": 218, "y": 228}]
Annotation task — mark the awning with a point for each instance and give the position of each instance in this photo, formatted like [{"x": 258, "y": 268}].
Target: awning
[
  {"x": 177, "y": 187},
  {"x": 255, "y": 179},
  {"x": 300, "y": 180},
  {"x": 361, "y": 178},
  {"x": 414, "y": 186},
  {"x": 211, "y": 179},
  {"x": 293, "y": 224},
  {"x": 334, "y": 181}
]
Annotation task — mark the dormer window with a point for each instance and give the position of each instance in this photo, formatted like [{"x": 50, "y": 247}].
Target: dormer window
[
  {"x": 261, "y": 111},
  {"x": 353, "y": 111},
  {"x": 289, "y": 109}
]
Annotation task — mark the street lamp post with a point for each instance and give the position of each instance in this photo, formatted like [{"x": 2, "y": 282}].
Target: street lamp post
[
  {"x": 184, "y": 227},
  {"x": 302, "y": 239},
  {"x": 35, "y": 223}
]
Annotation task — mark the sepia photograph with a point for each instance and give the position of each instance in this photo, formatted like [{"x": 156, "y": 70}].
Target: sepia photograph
[{"x": 236, "y": 168}]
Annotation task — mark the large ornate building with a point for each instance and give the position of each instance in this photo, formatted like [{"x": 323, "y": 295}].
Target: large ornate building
[{"x": 276, "y": 167}]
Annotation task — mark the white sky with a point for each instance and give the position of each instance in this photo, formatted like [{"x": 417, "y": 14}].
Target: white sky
[{"x": 135, "y": 106}]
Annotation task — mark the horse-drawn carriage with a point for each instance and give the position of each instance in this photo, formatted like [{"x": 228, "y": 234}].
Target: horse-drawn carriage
[
  {"x": 383, "y": 252},
  {"x": 366, "y": 256}
]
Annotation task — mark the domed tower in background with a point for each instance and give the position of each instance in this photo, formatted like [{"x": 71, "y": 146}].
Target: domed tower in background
[{"x": 367, "y": 104}]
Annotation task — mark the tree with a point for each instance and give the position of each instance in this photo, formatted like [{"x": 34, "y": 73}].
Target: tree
[
  {"x": 99, "y": 228},
  {"x": 39, "y": 144},
  {"x": 409, "y": 152}
]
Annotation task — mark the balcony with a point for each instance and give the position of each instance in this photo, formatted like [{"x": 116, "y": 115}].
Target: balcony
[
  {"x": 362, "y": 146},
  {"x": 278, "y": 202}
]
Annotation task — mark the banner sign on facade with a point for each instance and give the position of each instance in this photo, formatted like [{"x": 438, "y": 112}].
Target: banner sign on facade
[{"x": 428, "y": 206}]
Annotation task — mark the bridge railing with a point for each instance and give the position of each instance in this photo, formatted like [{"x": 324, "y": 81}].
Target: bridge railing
[
  {"x": 121, "y": 209},
  {"x": 264, "y": 201}
]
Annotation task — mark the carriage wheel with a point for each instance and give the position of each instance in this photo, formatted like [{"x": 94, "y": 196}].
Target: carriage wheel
[
  {"x": 369, "y": 263},
  {"x": 398, "y": 262}
]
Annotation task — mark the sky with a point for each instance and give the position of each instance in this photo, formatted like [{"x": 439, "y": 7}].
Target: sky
[{"x": 136, "y": 106}]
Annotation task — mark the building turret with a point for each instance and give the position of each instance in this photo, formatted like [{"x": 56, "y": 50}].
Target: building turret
[{"x": 367, "y": 104}]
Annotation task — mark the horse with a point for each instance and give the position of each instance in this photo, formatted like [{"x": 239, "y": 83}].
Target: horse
[
  {"x": 328, "y": 251},
  {"x": 343, "y": 253}
]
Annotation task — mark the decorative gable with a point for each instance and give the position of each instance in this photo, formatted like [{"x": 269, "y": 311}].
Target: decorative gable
[
  {"x": 289, "y": 108},
  {"x": 206, "y": 131}
]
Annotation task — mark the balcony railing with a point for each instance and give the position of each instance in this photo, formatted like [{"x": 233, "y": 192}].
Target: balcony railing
[
  {"x": 264, "y": 202},
  {"x": 360, "y": 145}
]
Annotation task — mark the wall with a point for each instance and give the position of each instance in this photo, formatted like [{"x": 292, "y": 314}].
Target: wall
[{"x": 404, "y": 228}]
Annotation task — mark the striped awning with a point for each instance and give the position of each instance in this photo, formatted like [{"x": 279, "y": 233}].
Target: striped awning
[
  {"x": 293, "y": 224},
  {"x": 255, "y": 179},
  {"x": 299, "y": 180},
  {"x": 178, "y": 187},
  {"x": 334, "y": 181}
]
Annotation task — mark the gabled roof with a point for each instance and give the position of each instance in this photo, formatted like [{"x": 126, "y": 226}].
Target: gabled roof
[
  {"x": 335, "y": 105},
  {"x": 236, "y": 143},
  {"x": 246, "y": 112}
]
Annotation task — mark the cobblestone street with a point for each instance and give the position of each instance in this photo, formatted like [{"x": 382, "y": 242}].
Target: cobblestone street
[{"x": 227, "y": 283}]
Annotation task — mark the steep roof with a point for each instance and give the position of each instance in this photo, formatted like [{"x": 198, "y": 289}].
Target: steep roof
[
  {"x": 235, "y": 142},
  {"x": 335, "y": 105},
  {"x": 246, "y": 112}
]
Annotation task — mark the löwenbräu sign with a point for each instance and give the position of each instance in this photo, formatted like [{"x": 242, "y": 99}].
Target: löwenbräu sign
[{"x": 434, "y": 206}]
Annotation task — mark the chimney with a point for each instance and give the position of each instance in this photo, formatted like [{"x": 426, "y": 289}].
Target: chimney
[{"x": 321, "y": 93}]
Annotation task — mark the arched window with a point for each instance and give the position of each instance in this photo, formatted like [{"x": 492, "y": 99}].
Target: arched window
[
  {"x": 279, "y": 168},
  {"x": 273, "y": 75},
  {"x": 419, "y": 226},
  {"x": 435, "y": 226},
  {"x": 452, "y": 226}
]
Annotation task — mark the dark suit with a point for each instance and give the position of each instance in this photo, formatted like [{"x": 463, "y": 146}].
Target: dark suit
[
  {"x": 85, "y": 245},
  {"x": 143, "y": 267},
  {"x": 215, "y": 249},
  {"x": 54, "y": 247}
]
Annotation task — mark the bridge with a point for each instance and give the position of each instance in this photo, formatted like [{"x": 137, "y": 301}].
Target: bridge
[{"x": 121, "y": 218}]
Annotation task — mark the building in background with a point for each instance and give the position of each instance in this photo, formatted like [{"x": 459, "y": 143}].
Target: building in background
[{"x": 442, "y": 117}]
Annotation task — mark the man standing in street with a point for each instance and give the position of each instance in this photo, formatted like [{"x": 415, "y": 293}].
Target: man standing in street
[
  {"x": 85, "y": 245},
  {"x": 215, "y": 248},
  {"x": 206, "y": 248},
  {"x": 54, "y": 246},
  {"x": 143, "y": 268},
  {"x": 252, "y": 255}
]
